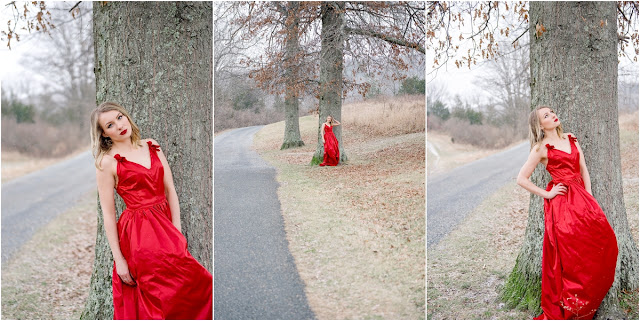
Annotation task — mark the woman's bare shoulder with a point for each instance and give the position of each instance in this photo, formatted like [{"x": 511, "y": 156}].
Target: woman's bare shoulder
[
  {"x": 540, "y": 149},
  {"x": 107, "y": 163}
]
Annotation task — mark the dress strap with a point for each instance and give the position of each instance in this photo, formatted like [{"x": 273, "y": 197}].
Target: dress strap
[
  {"x": 549, "y": 146},
  {"x": 153, "y": 147},
  {"x": 571, "y": 138},
  {"x": 119, "y": 158}
]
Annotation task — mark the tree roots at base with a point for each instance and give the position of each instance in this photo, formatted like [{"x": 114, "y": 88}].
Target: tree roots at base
[{"x": 291, "y": 144}]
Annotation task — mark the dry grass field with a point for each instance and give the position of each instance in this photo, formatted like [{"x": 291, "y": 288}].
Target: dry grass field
[{"x": 357, "y": 230}]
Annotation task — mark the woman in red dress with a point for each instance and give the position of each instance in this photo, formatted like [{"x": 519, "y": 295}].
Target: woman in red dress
[
  {"x": 579, "y": 249},
  {"x": 331, "y": 150},
  {"x": 154, "y": 275}
]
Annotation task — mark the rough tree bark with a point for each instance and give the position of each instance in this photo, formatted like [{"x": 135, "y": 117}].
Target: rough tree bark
[
  {"x": 331, "y": 65},
  {"x": 155, "y": 59},
  {"x": 292, "y": 51},
  {"x": 574, "y": 70}
]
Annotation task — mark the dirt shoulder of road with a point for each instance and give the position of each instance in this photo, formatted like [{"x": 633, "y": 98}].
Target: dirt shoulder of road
[
  {"x": 444, "y": 155},
  {"x": 15, "y": 164},
  {"x": 49, "y": 276},
  {"x": 215, "y": 134},
  {"x": 356, "y": 231},
  {"x": 466, "y": 269}
]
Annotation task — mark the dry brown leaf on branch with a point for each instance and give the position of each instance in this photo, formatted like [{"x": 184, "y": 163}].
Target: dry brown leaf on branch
[{"x": 540, "y": 29}]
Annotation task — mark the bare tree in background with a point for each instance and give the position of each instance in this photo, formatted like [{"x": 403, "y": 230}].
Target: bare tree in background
[
  {"x": 235, "y": 46},
  {"x": 229, "y": 49},
  {"x": 285, "y": 64},
  {"x": 65, "y": 61},
  {"x": 436, "y": 91},
  {"x": 507, "y": 81}
]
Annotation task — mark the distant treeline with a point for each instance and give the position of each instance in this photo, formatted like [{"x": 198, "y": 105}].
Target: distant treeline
[{"x": 240, "y": 103}]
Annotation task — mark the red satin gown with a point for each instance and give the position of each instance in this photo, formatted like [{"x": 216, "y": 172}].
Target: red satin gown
[
  {"x": 170, "y": 283},
  {"x": 579, "y": 250},
  {"x": 331, "y": 151}
]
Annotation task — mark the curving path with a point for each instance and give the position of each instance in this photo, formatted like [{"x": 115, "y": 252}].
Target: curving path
[
  {"x": 452, "y": 195},
  {"x": 255, "y": 275},
  {"x": 31, "y": 201}
]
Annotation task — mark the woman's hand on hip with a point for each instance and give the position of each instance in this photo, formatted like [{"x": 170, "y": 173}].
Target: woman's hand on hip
[
  {"x": 558, "y": 189},
  {"x": 123, "y": 272}
]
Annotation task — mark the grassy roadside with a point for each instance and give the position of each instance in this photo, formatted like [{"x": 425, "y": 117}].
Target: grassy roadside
[
  {"x": 356, "y": 231},
  {"x": 49, "y": 277},
  {"x": 465, "y": 268},
  {"x": 468, "y": 266}
]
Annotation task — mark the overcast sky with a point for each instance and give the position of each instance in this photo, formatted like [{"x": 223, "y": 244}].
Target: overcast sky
[
  {"x": 464, "y": 81},
  {"x": 12, "y": 71}
]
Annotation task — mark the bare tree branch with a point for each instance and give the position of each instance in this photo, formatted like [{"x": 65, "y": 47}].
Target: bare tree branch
[{"x": 400, "y": 42}]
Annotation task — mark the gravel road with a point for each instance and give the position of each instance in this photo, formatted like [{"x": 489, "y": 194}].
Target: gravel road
[
  {"x": 452, "y": 195},
  {"x": 31, "y": 201},
  {"x": 255, "y": 274}
]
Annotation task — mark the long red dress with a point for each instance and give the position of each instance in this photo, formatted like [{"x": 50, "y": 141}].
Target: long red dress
[
  {"x": 170, "y": 283},
  {"x": 579, "y": 250},
  {"x": 331, "y": 150}
]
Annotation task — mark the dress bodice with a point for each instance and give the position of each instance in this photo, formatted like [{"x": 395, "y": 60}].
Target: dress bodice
[
  {"x": 139, "y": 186},
  {"x": 328, "y": 129},
  {"x": 564, "y": 167}
]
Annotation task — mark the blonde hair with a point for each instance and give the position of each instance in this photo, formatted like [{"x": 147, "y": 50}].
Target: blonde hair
[
  {"x": 330, "y": 122},
  {"x": 536, "y": 133},
  {"x": 100, "y": 145}
]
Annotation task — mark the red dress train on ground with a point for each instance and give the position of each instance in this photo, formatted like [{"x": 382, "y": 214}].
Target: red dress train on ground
[
  {"x": 579, "y": 250},
  {"x": 170, "y": 283},
  {"x": 331, "y": 150}
]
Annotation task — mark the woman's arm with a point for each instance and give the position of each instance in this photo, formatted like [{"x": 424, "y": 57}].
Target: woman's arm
[
  {"x": 322, "y": 133},
  {"x": 170, "y": 190},
  {"x": 527, "y": 169},
  {"x": 337, "y": 123},
  {"x": 106, "y": 183},
  {"x": 583, "y": 170}
]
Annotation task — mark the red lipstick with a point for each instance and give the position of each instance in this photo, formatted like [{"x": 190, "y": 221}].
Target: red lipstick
[
  {"x": 123, "y": 132},
  {"x": 556, "y": 120}
]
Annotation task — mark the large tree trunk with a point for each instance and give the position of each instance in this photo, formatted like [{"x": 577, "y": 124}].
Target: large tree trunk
[
  {"x": 292, "y": 55},
  {"x": 331, "y": 66},
  {"x": 155, "y": 59},
  {"x": 574, "y": 70}
]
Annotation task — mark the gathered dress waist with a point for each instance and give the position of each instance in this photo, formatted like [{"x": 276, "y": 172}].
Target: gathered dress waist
[
  {"x": 136, "y": 207},
  {"x": 569, "y": 179}
]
